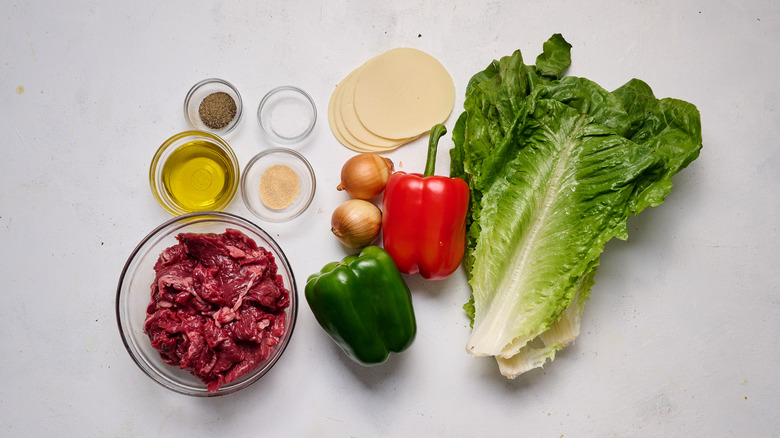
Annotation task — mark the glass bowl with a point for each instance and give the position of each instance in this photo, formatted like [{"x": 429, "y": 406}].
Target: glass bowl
[
  {"x": 268, "y": 184},
  {"x": 134, "y": 294},
  {"x": 287, "y": 115},
  {"x": 194, "y": 171},
  {"x": 215, "y": 117}
]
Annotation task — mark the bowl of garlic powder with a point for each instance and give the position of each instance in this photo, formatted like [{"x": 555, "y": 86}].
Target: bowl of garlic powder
[{"x": 278, "y": 184}]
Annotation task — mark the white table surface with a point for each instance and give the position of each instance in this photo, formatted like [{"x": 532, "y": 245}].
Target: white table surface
[{"x": 679, "y": 337}]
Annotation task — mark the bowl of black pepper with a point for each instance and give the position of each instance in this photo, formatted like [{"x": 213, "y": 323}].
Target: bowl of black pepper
[{"x": 213, "y": 105}]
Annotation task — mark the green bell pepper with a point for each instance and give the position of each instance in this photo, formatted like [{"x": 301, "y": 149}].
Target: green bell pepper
[{"x": 364, "y": 304}]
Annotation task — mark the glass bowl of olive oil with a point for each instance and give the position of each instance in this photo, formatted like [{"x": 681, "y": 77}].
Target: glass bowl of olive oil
[{"x": 194, "y": 171}]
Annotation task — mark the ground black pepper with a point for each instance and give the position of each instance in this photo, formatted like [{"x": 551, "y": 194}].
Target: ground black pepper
[{"x": 217, "y": 110}]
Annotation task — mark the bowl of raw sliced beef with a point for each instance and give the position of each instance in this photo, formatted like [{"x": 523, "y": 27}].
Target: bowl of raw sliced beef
[{"x": 206, "y": 304}]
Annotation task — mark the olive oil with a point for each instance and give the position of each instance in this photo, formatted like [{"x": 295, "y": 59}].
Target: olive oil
[{"x": 198, "y": 176}]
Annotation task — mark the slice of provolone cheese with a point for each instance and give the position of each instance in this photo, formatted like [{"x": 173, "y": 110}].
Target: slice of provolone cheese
[
  {"x": 352, "y": 122},
  {"x": 402, "y": 93},
  {"x": 339, "y": 130}
]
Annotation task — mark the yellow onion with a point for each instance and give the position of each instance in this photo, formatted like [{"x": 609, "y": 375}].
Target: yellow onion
[
  {"x": 356, "y": 223},
  {"x": 365, "y": 175}
]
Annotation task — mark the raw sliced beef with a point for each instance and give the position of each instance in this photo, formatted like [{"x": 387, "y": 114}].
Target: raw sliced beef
[{"x": 217, "y": 306}]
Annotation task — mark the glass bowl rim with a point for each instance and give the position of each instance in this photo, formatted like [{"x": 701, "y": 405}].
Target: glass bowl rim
[
  {"x": 271, "y": 151},
  {"x": 268, "y": 131},
  {"x": 158, "y": 187},
  {"x": 278, "y": 351},
  {"x": 239, "y": 105}
]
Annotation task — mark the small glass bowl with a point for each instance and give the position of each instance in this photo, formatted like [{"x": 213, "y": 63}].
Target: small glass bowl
[
  {"x": 251, "y": 181},
  {"x": 287, "y": 115},
  {"x": 134, "y": 293},
  {"x": 211, "y": 157},
  {"x": 199, "y": 92}
]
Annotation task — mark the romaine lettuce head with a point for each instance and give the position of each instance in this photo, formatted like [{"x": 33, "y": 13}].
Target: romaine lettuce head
[{"x": 555, "y": 166}]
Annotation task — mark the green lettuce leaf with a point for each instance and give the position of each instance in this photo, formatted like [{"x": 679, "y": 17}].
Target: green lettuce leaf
[
  {"x": 555, "y": 166},
  {"x": 555, "y": 57}
]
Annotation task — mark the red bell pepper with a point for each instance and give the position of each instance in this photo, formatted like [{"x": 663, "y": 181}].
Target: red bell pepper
[{"x": 424, "y": 218}]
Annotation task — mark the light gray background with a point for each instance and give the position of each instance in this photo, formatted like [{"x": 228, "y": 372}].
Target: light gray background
[{"x": 679, "y": 337}]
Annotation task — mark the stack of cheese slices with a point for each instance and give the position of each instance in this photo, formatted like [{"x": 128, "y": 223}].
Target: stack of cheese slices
[{"x": 390, "y": 100}]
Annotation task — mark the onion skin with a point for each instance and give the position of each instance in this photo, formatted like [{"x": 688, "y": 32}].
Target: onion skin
[
  {"x": 356, "y": 223},
  {"x": 365, "y": 175}
]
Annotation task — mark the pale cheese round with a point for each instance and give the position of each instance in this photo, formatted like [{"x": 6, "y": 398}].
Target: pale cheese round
[
  {"x": 332, "y": 115},
  {"x": 402, "y": 93},
  {"x": 351, "y": 121},
  {"x": 339, "y": 130}
]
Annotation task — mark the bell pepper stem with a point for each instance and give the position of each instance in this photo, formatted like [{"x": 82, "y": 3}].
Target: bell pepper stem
[{"x": 433, "y": 142}]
